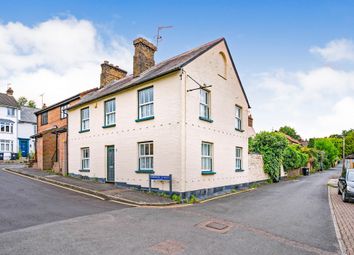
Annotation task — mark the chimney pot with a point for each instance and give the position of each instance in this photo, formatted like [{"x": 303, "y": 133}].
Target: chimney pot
[
  {"x": 9, "y": 91},
  {"x": 143, "y": 56},
  {"x": 250, "y": 121},
  {"x": 111, "y": 73}
]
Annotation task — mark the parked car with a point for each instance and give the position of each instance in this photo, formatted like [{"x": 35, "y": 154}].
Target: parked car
[{"x": 346, "y": 185}]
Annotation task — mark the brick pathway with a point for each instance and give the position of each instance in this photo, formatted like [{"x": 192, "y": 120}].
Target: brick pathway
[{"x": 345, "y": 219}]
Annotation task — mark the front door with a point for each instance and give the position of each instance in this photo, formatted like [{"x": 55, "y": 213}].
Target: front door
[
  {"x": 110, "y": 163},
  {"x": 24, "y": 147}
]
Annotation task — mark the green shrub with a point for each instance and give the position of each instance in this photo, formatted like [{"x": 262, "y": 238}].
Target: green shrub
[
  {"x": 294, "y": 157},
  {"x": 176, "y": 198},
  {"x": 271, "y": 145},
  {"x": 193, "y": 200}
]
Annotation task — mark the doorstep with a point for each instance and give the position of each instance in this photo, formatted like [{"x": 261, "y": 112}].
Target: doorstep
[{"x": 106, "y": 191}]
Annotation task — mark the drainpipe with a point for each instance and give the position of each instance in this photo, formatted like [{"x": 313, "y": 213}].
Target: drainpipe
[
  {"x": 183, "y": 130},
  {"x": 56, "y": 143}
]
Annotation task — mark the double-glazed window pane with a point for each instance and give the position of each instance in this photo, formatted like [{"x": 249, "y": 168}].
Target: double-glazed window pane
[
  {"x": 11, "y": 111},
  {"x": 110, "y": 112},
  {"x": 204, "y": 106},
  {"x": 146, "y": 103},
  {"x": 207, "y": 160},
  {"x": 6, "y": 127},
  {"x": 64, "y": 111},
  {"x": 238, "y": 158},
  {"x": 146, "y": 156},
  {"x": 6, "y": 146},
  {"x": 85, "y": 119},
  {"x": 44, "y": 118},
  {"x": 85, "y": 158},
  {"x": 238, "y": 117}
]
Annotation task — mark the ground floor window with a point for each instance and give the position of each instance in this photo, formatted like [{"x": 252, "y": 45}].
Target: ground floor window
[
  {"x": 146, "y": 156},
  {"x": 85, "y": 158},
  {"x": 238, "y": 158},
  {"x": 207, "y": 156},
  {"x": 6, "y": 145}
]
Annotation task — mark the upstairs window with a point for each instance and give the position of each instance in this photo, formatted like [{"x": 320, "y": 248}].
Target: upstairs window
[
  {"x": 6, "y": 127},
  {"x": 110, "y": 112},
  {"x": 238, "y": 159},
  {"x": 146, "y": 156},
  {"x": 207, "y": 157},
  {"x": 204, "y": 106},
  {"x": 64, "y": 111},
  {"x": 11, "y": 111},
  {"x": 238, "y": 118},
  {"x": 85, "y": 158},
  {"x": 85, "y": 119},
  {"x": 146, "y": 103},
  {"x": 44, "y": 118}
]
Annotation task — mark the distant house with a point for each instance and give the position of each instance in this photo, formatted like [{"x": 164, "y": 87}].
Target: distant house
[
  {"x": 51, "y": 135},
  {"x": 17, "y": 125},
  {"x": 349, "y": 161},
  {"x": 186, "y": 116}
]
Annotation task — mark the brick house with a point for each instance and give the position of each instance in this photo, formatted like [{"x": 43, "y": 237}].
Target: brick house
[
  {"x": 51, "y": 137},
  {"x": 187, "y": 116}
]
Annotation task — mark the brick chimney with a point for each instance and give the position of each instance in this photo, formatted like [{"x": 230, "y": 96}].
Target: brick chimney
[
  {"x": 250, "y": 121},
  {"x": 143, "y": 56},
  {"x": 111, "y": 73},
  {"x": 9, "y": 91}
]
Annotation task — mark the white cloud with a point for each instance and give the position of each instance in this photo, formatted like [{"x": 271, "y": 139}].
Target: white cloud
[
  {"x": 58, "y": 57},
  {"x": 336, "y": 50},
  {"x": 317, "y": 102}
]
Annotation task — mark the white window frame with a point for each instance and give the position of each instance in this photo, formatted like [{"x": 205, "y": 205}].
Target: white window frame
[
  {"x": 85, "y": 158},
  {"x": 6, "y": 146},
  {"x": 207, "y": 157},
  {"x": 110, "y": 114},
  {"x": 85, "y": 121},
  {"x": 146, "y": 156},
  {"x": 204, "y": 104},
  {"x": 146, "y": 103},
  {"x": 12, "y": 110},
  {"x": 6, "y": 127},
  {"x": 238, "y": 117},
  {"x": 64, "y": 111},
  {"x": 238, "y": 159}
]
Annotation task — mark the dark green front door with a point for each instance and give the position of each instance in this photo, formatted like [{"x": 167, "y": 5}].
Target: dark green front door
[{"x": 110, "y": 163}]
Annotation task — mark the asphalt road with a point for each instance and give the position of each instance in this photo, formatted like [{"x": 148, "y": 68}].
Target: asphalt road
[
  {"x": 25, "y": 202},
  {"x": 291, "y": 217}
]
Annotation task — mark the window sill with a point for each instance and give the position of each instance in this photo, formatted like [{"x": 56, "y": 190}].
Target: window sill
[
  {"x": 239, "y": 130},
  {"x": 207, "y": 120},
  {"x": 109, "y": 126},
  {"x": 208, "y": 172},
  {"x": 84, "y": 131},
  {"x": 239, "y": 170},
  {"x": 144, "y": 171},
  {"x": 143, "y": 119},
  {"x": 84, "y": 170}
]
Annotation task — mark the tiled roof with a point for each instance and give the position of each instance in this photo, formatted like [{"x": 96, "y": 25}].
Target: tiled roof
[
  {"x": 27, "y": 114},
  {"x": 163, "y": 68},
  {"x": 6, "y": 100}
]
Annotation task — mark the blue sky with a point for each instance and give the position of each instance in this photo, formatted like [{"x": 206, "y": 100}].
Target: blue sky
[{"x": 268, "y": 39}]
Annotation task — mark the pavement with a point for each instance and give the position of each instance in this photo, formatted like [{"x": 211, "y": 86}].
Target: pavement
[
  {"x": 290, "y": 217},
  {"x": 344, "y": 217},
  {"x": 104, "y": 190}
]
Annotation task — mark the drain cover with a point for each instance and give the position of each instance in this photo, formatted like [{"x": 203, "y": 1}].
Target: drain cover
[
  {"x": 216, "y": 225},
  {"x": 168, "y": 247}
]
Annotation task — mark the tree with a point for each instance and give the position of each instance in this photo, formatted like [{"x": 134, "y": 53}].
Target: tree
[
  {"x": 31, "y": 104},
  {"x": 290, "y": 132},
  {"x": 329, "y": 149},
  {"x": 22, "y": 101},
  {"x": 294, "y": 157},
  {"x": 271, "y": 146}
]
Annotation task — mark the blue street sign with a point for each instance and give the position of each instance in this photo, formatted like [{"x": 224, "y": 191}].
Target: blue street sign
[{"x": 160, "y": 177}]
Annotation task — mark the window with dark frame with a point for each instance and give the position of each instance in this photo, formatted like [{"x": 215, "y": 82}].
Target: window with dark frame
[{"x": 44, "y": 117}]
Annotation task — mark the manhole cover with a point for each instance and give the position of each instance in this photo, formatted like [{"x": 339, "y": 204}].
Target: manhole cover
[
  {"x": 218, "y": 226},
  {"x": 169, "y": 247}
]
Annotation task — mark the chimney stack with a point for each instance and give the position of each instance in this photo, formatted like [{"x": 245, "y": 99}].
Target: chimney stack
[
  {"x": 9, "y": 91},
  {"x": 143, "y": 56},
  {"x": 111, "y": 73}
]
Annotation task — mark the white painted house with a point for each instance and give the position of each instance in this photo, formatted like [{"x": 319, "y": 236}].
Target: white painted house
[
  {"x": 17, "y": 125},
  {"x": 186, "y": 116}
]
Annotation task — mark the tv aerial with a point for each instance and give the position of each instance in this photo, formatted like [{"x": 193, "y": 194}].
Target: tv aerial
[{"x": 158, "y": 36}]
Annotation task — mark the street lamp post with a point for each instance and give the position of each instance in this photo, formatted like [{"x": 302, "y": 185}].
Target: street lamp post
[{"x": 343, "y": 151}]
